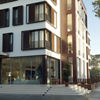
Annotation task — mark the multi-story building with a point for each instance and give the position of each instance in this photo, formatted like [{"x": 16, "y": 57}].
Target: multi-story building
[
  {"x": 75, "y": 33},
  {"x": 39, "y": 37}
]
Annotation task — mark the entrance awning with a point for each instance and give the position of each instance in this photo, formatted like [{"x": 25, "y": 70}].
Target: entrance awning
[{"x": 2, "y": 54}]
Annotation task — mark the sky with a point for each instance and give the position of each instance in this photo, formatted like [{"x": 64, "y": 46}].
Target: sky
[{"x": 93, "y": 27}]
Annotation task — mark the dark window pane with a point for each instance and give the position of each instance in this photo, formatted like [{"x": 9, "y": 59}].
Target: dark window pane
[
  {"x": 18, "y": 15},
  {"x": 4, "y": 18},
  {"x": 7, "y": 42}
]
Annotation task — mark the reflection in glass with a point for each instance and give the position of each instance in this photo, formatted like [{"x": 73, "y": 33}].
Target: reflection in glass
[{"x": 27, "y": 70}]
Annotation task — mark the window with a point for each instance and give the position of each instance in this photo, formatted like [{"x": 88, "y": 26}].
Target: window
[
  {"x": 55, "y": 19},
  {"x": 43, "y": 38},
  {"x": 70, "y": 44},
  {"x": 4, "y": 18},
  {"x": 69, "y": 4},
  {"x": 48, "y": 39},
  {"x": 32, "y": 39},
  {"x": 51, "y": 15},
  {"x": 35, "y": 12},
  {"x": 48, "y": 12},
  {"x": 18, "y": 15},
  {"x": 52, "y": 70},
  {"x": 55, "y": 44},
  {"x": 69, "y": 22},
  {"x": 41, "y": 12},
  {"x": 8, "y": 42},
  {"x": 22, "y": 70},
  {"x": 55, "y": 1},
  {"x": 5, "y": 1}
]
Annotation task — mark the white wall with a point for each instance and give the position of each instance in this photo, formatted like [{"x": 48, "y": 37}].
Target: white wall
[
  {"x": 81, "y": 69},
  {"x": 16, "y": 30}
]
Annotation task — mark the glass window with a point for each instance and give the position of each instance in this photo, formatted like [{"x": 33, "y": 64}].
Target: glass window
[
  {"x": 8, "y": 42},
  {"x": 48, "y": 39},
  {"x": 26, "y": 70},
  {"x": 36, "y": 39},
  {"x": 7, "y": 18},
  {"x": 55, "y": 19},
  {"x": 16, "y": 15},
  {"x": 48, "y": 12},
  {"x": 41, "y": 12},
  {"x": 36, "y": 12},
  {"x": 32, "y": 39},
  {"x": 52, "y": 70},
  {"x": 69, "y": 4},
  {"x": 70, "y": 44},
  {"x": 55, "y": 43},
  {"x": 27, "y": 12},
  {"x": 41, "y": 38},
  {"x": 69, "y": 22}
]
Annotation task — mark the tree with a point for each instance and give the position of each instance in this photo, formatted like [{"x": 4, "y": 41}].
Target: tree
[
  {"x": 66, "y": 72},
  {"x": 94, "y": 61},
  {"x": 96, "y": 5},
  {"x": 95, "y": 72}
]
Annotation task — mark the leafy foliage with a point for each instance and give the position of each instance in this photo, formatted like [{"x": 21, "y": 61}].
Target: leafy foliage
[
  {"x": 94, "y": 61},
  {"x": 96, "y": 5},
  {"x": 66, "y": 72},
  {"x": 95, "y": 72}
]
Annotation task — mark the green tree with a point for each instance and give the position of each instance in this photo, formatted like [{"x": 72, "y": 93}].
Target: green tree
[
  {"x": 96, "y": 5},
  {"x": 66, "y": 72},
  {"x": 94, "y": 61},
  {"x": 95, "y": 72}
]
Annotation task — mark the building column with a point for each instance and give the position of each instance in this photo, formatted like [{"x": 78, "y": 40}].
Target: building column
[
  {"x": 44, "y": 70},
  {"x": 0, "y": 68}
]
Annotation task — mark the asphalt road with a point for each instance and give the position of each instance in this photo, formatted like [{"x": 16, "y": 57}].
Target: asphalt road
[{"x": 40, "y": 97}]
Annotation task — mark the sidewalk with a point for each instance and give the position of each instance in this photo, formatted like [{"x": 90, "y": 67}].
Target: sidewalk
[
  {"x": 39, "y": 92},
  {"x": 95, "y": 94}
]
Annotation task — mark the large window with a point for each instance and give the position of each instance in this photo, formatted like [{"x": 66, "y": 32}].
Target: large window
[
  {"x": 52, "y": 70},
  {"x": 8, "y": 42},
  {"x": 25, "y": 70},
  {"x": 4, "y": 18},
  {"x": 70, "y": 44},
  {"x": 18, "y": 15},
  {"x": 69, "y": 22},
  {"x": 32, "y": 39},
  {"x": 35, "y": 12},
  {"x": 43, "y": 39},
  {"x": 69, "y": 4},
  {"x": 41, "y": 12}
]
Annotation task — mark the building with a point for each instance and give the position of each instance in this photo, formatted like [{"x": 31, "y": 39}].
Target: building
[
  {"x": 74, "y": 32},
  {"x": 39, "y": 37}
]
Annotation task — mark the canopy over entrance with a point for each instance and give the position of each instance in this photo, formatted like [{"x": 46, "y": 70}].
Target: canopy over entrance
[{"x": 2, "y": 54}]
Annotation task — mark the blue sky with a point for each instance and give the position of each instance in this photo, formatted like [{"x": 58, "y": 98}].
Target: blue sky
[{"x": 93, "y": 27}]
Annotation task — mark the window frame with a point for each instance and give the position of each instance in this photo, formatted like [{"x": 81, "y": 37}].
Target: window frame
[{"x": 8, "y": 49}]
